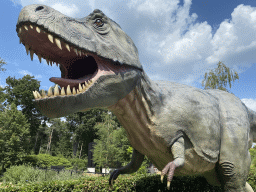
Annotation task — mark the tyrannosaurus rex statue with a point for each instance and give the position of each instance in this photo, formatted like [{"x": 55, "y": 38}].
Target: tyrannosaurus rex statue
[{"x": 181, "y": 129}]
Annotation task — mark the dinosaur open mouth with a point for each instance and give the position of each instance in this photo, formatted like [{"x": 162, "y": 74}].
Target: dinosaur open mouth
[{"x": 79, "y": 68}]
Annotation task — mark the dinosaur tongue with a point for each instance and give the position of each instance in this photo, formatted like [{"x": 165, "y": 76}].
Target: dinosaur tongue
[{"x": 65, "y": 82}]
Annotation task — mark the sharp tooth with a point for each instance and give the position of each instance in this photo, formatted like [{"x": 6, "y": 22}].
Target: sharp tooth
[
  {"x": 26, "y": 27},
  {"x": 20, "y": 30},
  {"x": 68, "y": 90},
  {"x": 43, "y": 94},
  {"x": 75, "y": 50},
  {"x": 31, "y": 54},
  {"x": 38, "y": 29},
  {"x": 39, "y": 57},
  {"x": 50, "y": 37},
  {"x": 86, "y": 84},
  {"x": 31, "y": 26},
  {"x": 27, "y": 49},
  {"x": 84, "y": 88},
  {"x": 35, "y": 95},
  {"x": 50, "y": 92},
  {"x": 84, "y": 54},
  {"x": 51, "y": 63},
  {"x": 20, "y": 40},
  {"x": 47, "y": 61},
  {"x": 80, "y": 87},
  {"x": 56, "y": 90},
  {"x": 38, "y": 95},
  {"x": 68, "y": 48},
  {"x": 74, "y": 91},
  {"x": 79, "y": 52},
  {"x": 62, "y": 91},
  {"x": 58, "y": 43}
]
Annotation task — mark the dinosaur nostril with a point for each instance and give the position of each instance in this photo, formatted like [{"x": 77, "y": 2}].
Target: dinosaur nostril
[{"x": 39, "y": 8}]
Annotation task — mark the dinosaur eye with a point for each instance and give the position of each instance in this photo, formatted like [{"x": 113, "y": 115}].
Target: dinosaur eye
[{"x": 99, "y": 22}]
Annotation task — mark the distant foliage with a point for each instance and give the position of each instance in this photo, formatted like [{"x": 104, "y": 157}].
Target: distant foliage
[
  {"x": 14, "y": 136},
  {"x": 111, "y": 147},
  {"x": 24, "y": 174},
  {"x": 2, "y": 62},
  {"x": 253, "y": 157},
  {"x": 46, "y": 160},
  {"x": 219, "y": 77}
]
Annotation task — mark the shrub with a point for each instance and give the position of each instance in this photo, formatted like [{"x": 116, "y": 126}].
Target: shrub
[
  {"x": 46, "y": 160},
  {"x": 26, "y": 174},
  {"x": 21, "y": 174},
  {"x": 78, "y": 163}
]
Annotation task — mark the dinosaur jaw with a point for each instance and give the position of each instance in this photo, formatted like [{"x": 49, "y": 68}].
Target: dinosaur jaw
[{"x": 83, "y": 73}]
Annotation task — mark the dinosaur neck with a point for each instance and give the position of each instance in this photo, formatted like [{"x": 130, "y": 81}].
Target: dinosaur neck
[
  {"x": 145, "y": 99},
  {"x": 136, "y": 112}
]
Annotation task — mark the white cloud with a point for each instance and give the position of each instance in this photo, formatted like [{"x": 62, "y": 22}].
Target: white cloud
[
  {"x": 235, "y": 40},
  {"x": 184, "y": 47},
  {"x": 154, "y": 8},
  {"x": 69, "y": 10},
  {"x": 38, "y": 76},
  {"x": 250, "y": 103},
  {"x": 25, "y": 72}
]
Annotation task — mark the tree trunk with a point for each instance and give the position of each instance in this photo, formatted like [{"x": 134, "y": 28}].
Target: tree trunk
[
  {"x": 81, "y": 151},
  {"x": 75, "y": 146},
  {"x": 36, "y": 142},
  {"x": 49, "y": 144}
]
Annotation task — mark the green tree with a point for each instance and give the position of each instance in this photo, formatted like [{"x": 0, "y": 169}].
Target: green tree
[
  {"x": 58, "y": 140},
  {"x": 2, "y": 98},
  {"x": 14, "y": 136},
  {"x": 81, "y": 125},
  {"x": 19, "y": 92},
  {"x": 2, "y": 62},
  {"x": 219, "y": 77},
  {"x": 110, "y": 149}
]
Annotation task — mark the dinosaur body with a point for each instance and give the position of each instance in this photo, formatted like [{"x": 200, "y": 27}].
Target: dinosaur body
[{"x": 181, "y": 129}]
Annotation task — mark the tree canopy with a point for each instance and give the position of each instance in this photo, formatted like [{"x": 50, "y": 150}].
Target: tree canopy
[
  {"x": 219, "y": 77},
  {"x": 110, "y": 149},
  {"x": 14, "y": 136},
  {"x": 2, "y": 62}
]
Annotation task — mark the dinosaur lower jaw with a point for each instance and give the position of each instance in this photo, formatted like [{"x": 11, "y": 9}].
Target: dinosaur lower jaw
[{"x": 80, "y": 69}]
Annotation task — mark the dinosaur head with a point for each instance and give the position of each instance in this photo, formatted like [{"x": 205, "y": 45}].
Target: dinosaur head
[{"x": 99, "y": 63}]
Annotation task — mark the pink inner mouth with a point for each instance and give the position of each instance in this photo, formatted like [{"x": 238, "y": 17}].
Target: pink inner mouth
[{"x": 77, "y": 65}]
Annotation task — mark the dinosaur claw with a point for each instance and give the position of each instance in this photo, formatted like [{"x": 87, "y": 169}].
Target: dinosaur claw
[
  {"x": 162, "y": 178},
  {"x": 168, "y": 185}
]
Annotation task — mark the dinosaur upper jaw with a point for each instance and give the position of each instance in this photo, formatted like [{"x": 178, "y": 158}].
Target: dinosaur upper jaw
[{"x": 87, "y": 80}]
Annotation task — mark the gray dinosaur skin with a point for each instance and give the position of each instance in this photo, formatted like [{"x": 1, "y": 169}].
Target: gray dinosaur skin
[{"x": 183, "y": 130}]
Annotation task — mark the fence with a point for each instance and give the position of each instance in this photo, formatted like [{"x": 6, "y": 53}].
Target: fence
[{"x": 60, "y": 168}]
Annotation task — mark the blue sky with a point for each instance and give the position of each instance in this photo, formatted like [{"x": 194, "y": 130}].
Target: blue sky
[{"x": 177, "y": 40}]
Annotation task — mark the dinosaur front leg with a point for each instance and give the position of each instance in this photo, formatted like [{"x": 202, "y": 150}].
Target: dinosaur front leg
[
  {"x": 178, "y": 151},
  {"x": 133, "y": 166}
]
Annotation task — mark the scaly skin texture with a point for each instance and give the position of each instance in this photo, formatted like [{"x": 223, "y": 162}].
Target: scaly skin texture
[{"x": 183, "y": 130}]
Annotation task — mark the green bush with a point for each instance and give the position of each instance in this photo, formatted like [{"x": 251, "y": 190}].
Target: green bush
[
  {"x": 21, "y": 174},
  {"x": 27, "y": 174},
  {"x": 78, "y": 163},
  {"x": 252, "y": 178},
  {"x": 46, "y": 160},
  {"x": 138, "y": 182}
]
